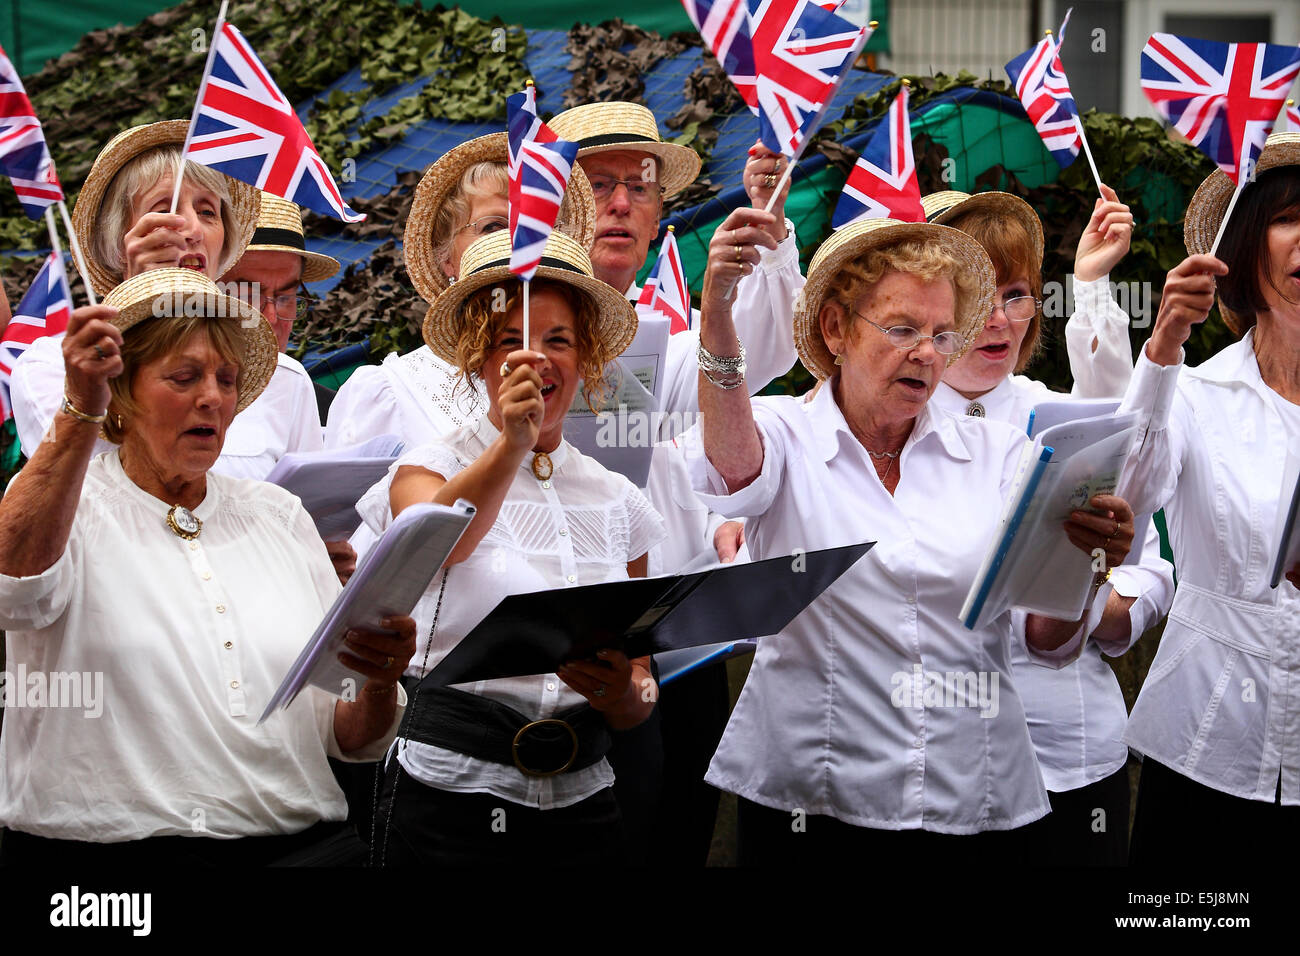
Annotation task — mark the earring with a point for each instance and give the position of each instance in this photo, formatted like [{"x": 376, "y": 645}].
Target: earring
[
  {"x": 119, "y": 422},
  {"x": 839, "y": 359}
]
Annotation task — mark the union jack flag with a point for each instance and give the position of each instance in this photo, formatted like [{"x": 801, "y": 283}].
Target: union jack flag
[
  {"x": 1224, "y": 97},
  {"x": 883, "y": 182},
  {"x": 540, "y": 164},
  {"x": 24, "y": 157},
  {"x": 1039, "y": 79},
  {"x": 1292, "y": 114},
  {"x": 244, "y": 127},
  {"x": 44, "y": 310},
  {"x": 665, "y": 288},
  {"x": 724, "y": 25},
  {"x": 802, "y": 54}
]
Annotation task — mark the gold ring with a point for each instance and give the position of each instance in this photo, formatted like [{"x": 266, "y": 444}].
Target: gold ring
[
  {"x": 388, "y": 663},
  {"x": 505, "y": 369},
  {"x": 739, "y": 257},
  {"x": 769, "y": 180}
]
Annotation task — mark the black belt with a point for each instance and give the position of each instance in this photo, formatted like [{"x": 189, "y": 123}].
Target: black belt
[{"x": 490, "y": 730}]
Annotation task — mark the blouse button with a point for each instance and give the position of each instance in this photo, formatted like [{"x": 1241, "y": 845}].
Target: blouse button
[
  {"x": 194, "y": 546},
  {"x": 572, "y": 578},
  {"x": 221, "y": 609},
  {"x": 229, "y": 645},
  {"x": 550, "y": 685},
  {"x": 563, "y": 533},
  {"x": 546, "y": 484},
  {"x": 234, "y": 684},
  {"x": 207, "y": 575},
  {"x": 918, "y": 743}
]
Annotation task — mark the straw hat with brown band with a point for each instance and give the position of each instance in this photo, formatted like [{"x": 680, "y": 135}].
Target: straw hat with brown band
[
  {"x": 943, "y": 207},
  {"x": 857, "y": 239},
  {"x": 1210, "y": 202},
  {"x": 121, "y": 149},
  {"x": 160, "y": 293},
  {"x": 279, "y": 229},
  {"x": 605, "y": 127},
  {"x": 577, "y": 212},
  {"x": 487, "y": 261}
]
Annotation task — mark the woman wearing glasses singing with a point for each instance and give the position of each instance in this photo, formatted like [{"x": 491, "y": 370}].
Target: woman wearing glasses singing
[
  {"x": 1076, "y": 714},
  {"x": 876, "y": 722}
]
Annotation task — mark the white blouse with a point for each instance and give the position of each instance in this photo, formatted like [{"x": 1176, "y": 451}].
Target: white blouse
[
  {"x": 1219, "y": 704},
  {"x": 582, "y": 526},
  {"x": 186, "y": 641},
  {"x": 876, "y": 706},
  {"x": 1076, "y": 714},
  {"x": 282, "y": 419}
]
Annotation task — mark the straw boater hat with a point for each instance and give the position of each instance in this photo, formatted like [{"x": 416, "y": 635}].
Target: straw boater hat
[
  {"x": 605, "y": 127},
  {"x": 856, "y": 240},
  {"x": 577, "y": 213},
  {"x": 124, "y": 147},
  {"x": 160, "y": 293},
  {"x": 1205, "y": 211},
  {"x": 943, "y": 207},
  {"x": 279, "y": 229},
  {"x": 487, "y": 261}
]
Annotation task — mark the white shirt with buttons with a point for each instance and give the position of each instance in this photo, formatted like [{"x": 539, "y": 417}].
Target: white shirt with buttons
[
  {"x": 190, "y": 639},
  {"x": 1220, "y": 703},
  {"x": 838, "y": 716},
  {"x": 582, "y": 526}
]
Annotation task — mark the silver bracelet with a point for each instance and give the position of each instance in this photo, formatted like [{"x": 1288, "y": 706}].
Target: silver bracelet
[
  {"x": 739, "y": 381},
  {"x": 726, "y": 364}
]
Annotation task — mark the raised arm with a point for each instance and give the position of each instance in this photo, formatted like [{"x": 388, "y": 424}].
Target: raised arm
[
  {"x": 486, "y": 481},
  {"x": 37, "y": 511},
  {"x": 1096, "y": 337}
]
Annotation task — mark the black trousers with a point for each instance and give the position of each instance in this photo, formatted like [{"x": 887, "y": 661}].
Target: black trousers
[
  {"x": 417, "y": 825},
  {"x": 325, "y": 844},
  {"x": 1087, "y": 826},
  {"x": 770, "y": 838},
  {"x": 1182, "y": 823}
]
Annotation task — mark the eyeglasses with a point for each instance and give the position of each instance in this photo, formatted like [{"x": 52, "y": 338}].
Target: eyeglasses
[
  {"x": 1020, "y": 309},
  {"x": 638, "y": 190},
  {"x": 485, "y": 226},
  {"x": 906, "y": 337},
  {"x": 285, "y": 305}
]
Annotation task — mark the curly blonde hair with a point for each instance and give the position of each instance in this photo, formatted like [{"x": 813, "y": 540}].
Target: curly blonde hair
[
  {"x": 928, "y": 261},
  {"x": 480, "y": 324}
]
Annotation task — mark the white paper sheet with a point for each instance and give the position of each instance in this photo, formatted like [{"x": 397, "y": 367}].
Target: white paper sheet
[{"x": 330, "y": 483}]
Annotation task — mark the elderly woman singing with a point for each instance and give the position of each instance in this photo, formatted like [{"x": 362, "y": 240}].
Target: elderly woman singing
[
  {"x": 188, "y": 594},
  {"x": 821, "y": 728},
  {"x": 1218, "y": 718}
]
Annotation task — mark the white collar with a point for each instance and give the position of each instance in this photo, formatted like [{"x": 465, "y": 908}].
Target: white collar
[
  {"x": 487, "y": 433},
  {"x": 117, "y": 475},
  {"x": 996, "y": 402},
  {"x": 830, "y": 427}
]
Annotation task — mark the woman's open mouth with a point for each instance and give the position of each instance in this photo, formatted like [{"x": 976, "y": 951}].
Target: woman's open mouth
[
  {"x": 548, "y": 391},
  {"x": 913, "y": 384},
  {"x": 202, "y": 431},
  {"x": 192, "y": 262},
  {"x": 995, "y": 352}
]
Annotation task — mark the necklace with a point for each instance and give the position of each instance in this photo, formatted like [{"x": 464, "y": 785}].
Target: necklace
[
  {"x": 542, "y": 466},
  {"x": 884, "y": 454},
  {"x": 183, "y": 523}
]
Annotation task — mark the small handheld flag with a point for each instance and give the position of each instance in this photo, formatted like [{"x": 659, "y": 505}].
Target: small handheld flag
[
  {"x": 1291, "y": 116},
  {"x": 1039, "y": 79},
  {"x": 724, "y": 27},
  {"x": 540, "y": 164},
  {"x": 882, "y": 184},
  {"x": 665, "y": 290},
  {"x": 244, "y": 127},
  {"x": 44, "y": 310},
  {"x": 24, "y": 157},
  {"x": 1224, "y": 97}
]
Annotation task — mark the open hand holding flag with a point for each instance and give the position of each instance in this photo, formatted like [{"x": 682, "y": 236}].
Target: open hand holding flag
[{"x": 882, "y": 184}]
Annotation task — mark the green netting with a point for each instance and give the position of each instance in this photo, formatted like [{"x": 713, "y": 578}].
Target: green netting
[{"x": 980, "y": 137}]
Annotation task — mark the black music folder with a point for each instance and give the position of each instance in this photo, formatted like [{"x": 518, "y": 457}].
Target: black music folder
[{"x": 536, "y": 632}]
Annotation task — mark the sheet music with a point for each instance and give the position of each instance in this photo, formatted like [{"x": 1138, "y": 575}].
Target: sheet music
[{"x": 330, "y": 483}]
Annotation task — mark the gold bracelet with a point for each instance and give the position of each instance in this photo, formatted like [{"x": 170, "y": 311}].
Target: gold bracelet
[
  {"x": 377, "y": 693},
  {"x": 70, "y": 409}
]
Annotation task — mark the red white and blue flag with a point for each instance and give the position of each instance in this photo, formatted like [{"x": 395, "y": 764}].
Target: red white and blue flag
[
  {"x": 883, "y": 182},
  {"x": 24, "y": 157},
  {"x": 802, "y": 55},
  {"x": 1224, "y": 97},
  {"x": 244, "y": 127},
  {"x": 665, "y": 291},
  {"x": 44, "y": 310},
  {"x": 1039, "y": 79},
  {"x": 1292, "y": 117},
  {"x": 540, "y": 164},
  {"x": 724, "y": 26}
]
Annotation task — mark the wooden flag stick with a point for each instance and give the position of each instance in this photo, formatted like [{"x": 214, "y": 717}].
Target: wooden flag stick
[
  {"x": 527, "y": 340},
  {"x": 77, "y": 257},
  {"x": 194, "y": 115},
  {"x": 1083, "y": 140},
  {"x": 1214, "y": 249},
  {"x": 54, "y": 242}
]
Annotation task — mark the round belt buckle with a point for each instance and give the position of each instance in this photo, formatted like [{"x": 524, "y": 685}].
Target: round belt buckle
[{"x": 514, "y": 748}]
